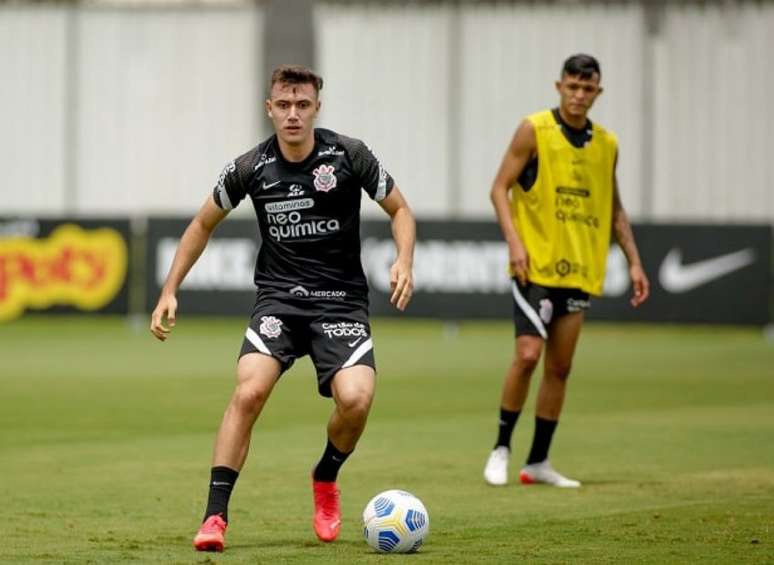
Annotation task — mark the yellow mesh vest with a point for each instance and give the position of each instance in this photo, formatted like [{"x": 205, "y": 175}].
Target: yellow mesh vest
[{"x": 565, "y": 218}]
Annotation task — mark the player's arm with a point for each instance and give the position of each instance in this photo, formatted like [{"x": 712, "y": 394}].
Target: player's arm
[
  {"x": 522, "y": 149},
  {"x": 622, "y": 230},
  {"x": 404, "y": 232},
  {"x": 193, "y": 242}
]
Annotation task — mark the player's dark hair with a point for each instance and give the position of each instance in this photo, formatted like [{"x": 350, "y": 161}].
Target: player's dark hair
[
  {"x": 581, "y": 65},
  {"x": 296, "y": 74}
]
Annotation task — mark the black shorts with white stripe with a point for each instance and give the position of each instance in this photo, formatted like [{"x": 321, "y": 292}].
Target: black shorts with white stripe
[
  {"x": 535, "y": 307},
  {"x": 334, "y": 336}
]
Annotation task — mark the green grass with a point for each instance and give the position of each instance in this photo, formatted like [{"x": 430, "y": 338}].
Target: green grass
[{"x": 106, "y": 435}]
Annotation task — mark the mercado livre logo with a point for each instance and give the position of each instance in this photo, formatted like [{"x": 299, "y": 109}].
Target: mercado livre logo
[{"x": 72, "y": 267}]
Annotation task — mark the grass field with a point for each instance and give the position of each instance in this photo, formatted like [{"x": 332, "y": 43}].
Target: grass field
[{"x": 106, "y": 434}]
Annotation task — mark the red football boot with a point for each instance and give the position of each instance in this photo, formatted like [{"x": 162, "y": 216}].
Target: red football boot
[
  {"x": 212, "y": 534},
  {"x": 327, "y": 512}
]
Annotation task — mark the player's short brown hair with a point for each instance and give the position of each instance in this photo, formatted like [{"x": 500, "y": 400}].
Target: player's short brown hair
[{"x": 296, "y": 74}]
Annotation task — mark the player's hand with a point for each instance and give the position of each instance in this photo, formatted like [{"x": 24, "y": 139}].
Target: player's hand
[
  {"x": 165, "y": 309},
  {"x": 401, "y": 283},
  {"x": 640, "y": 285},
  {"x": 519, "y": 261}
]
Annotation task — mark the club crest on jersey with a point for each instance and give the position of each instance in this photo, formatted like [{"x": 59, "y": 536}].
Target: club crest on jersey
[
  {"x": 324, "y": 179},
  {"x": 270, "y": 326}
]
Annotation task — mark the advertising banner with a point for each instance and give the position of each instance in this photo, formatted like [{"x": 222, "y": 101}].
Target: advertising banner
[
  {"x": 63, "y": 266},
  {"x": 221, "y": 281},
  {"x": 698, "y": 273}
]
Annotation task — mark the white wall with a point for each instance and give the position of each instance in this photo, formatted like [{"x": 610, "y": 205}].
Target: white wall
[
  {"x": 714, "y": 119},
  {"x": 32, "y": 108},
  {"x": 162, "y": 98},
  {"x": 512, "y": 56},
  {"x": 386, "y": 74},
  {"x": 157, "y": 99},
  {"x": 441, "y": 88}
]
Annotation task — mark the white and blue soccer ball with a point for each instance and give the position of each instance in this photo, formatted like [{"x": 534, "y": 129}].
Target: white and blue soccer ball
[{"x": 395, "y": 521}]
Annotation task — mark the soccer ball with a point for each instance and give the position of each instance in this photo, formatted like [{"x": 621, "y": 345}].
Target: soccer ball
[{"x": 395, "y": 521}]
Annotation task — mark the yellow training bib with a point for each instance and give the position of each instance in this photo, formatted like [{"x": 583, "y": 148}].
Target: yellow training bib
[{"x": 565, "y": 218}]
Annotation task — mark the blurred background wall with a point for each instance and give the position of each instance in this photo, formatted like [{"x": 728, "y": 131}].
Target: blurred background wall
[{"x": 131, "y": 109}]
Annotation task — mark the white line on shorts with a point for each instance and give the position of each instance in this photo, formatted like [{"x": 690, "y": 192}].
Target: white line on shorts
[{"x": 529, "y": 311}]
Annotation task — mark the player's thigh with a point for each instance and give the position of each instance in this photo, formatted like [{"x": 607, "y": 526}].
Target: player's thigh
[
  {"x": 354, "y": 387},
  {"x": 258, "y": 372},
  {"x": 562, "y": 340}
]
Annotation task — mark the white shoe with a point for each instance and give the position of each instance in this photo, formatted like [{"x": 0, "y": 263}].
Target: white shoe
[
  {"x": 545, "y": 473},
  {"x": 496, "y": 470}
]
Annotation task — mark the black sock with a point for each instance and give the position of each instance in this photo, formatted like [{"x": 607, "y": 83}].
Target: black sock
[
  {"x": 544, "y": 431},
  {"x": 222, "y": 480},
  {"x": 331, "y": 461},
  {"x": 507, "y": 422}
]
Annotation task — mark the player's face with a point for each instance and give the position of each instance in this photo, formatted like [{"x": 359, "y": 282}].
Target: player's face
[
  {"x": 293, "y": 109},
  {"x": 577, "y": 95}
]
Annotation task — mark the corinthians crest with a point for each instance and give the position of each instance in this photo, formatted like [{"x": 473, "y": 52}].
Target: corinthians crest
[
  {"x": 324, "y": 179},
  {"x": 270, "y": 326}
]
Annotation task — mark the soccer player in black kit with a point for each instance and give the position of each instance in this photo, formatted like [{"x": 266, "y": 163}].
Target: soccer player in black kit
[{"x": 312, "y": 296}]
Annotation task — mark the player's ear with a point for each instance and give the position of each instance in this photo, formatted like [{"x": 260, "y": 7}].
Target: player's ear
[{"x": 268, "y": 108}]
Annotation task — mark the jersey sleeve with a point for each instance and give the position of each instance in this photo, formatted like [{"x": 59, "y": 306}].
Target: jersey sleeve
[
  {"x": 375, "y": 180},
  {"x": 230, "y": 188}
]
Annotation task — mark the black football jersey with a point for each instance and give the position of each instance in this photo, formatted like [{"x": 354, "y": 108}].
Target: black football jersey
[{"x": 308, "y": 214}]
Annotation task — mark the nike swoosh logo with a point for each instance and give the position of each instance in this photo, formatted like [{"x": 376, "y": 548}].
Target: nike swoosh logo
[
  {"x": 676, "y": 277},
  {"x": 268, "y": 186},
  {"x": 354, "y": 343}
]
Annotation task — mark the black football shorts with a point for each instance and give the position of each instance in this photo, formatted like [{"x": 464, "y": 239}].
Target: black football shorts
[
  {"x": 335, "y": 338},
  {"x": 535, "y": 306}
]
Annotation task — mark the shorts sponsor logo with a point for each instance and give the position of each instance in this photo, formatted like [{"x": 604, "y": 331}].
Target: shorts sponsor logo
[
  {"x": 301, "y": 291},
  {"x": 344, "y": 329},
  {"x": 546, "y": 310},
  {"x": 289, "y": 205},
  {"x": 576, "y": 305},
  {"x": 324, "y": 178},
  {"x": 270, "y": 326}
]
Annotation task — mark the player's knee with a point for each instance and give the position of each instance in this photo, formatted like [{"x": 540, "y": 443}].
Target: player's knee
[
  {"x": 559, "y": 371},
  {"x": 355, "y": 406},
  {"x": 249, "y": 397},
  {"x": 527, "y": 358}
]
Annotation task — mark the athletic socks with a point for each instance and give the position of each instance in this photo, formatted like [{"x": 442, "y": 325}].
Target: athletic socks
[
  {"x": 222, "y": 480},
  {"x": 327, "y": 468},
  {"x": 544, "y": 431},
  {"x": 507, "y": 422}
]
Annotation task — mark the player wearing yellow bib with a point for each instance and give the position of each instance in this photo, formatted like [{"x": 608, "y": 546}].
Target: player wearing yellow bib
[{"x": 564, "y": 203}]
